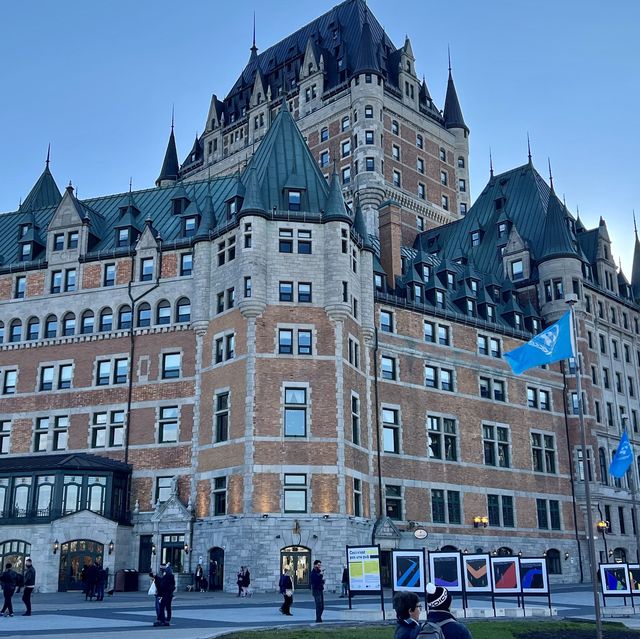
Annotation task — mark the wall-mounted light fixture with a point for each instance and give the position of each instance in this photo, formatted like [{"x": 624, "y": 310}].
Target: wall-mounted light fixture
[
  {"x": 480, "y": 521},
  {"x": 566, "y": 556},
  {"x": 186, "y": 548},
  {"x": 265, "y": 515},
  {"x": 603, "y": 526},
  {"x": 56, "y": 546},
  {"x": 153, "y": 549},
  {"x": 315, "y": 536},
  {"x": 465, "y": 551},
  {"x": 494, "y": 552},
  {"x": 519, "y": 553},
  {"x": 325, "y": 516},
  {"x": 110, "y": 546}
]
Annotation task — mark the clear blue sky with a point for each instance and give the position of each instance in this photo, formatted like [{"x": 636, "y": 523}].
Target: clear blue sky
[{"x": 98, "y": 80}]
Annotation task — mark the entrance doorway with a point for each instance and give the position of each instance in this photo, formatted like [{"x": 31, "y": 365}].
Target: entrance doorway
[
  {"x": 215, "y": 574},
  {"x": 297, "y": 560},
  {"x": 74, "y": 556},
  {"x": 385, "y": 568}
]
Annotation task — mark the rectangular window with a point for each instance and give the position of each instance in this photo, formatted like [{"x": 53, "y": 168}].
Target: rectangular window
[
  {"x": 171, "y": 365},
  {"x": 443, "y": 335},
  {"x": 221, "y": 402},
  {"x": 496, "y": 445},
  {"x": 438, "y": 509},
  {"x": 295, "y": 412},
  {"x": 219, "y": 496},
  {"x": 442, "y": 438},
  {"x": 9, "y": 384},
  {"x": 295, "y": 493},
  {"x": 386, "y": 321},
  {"x": 20, "y": 287},
  {"x": 5, "y": 440},
  {"x": 304, "y": 342},
  {"x": 355, "y": 419},
  {"x": 429, "y": 332},
  {"x": 430, "y": 377},
  {"x": 46, "y": 378},
  {"x": 391, "y": 430},
  {"x": 397, "y": 179},
  {"x": 58, "y": 242},
  {"x": 369, "y": 164},
  {"x": 56, "y": 282},
  {"x": 41, "y": 434},
  {"x": 60, "y": 432},
  {"x": 446, "y": 380},
  {"x": 388, "y": 367},
  {"x": 168, "y": 425},
  {"x": 422, "y": 194},
  {"x": 247, "y": 286},
  {"x": 109, "y": 276},
  {"x": 304, "y": 292},
  {"x": 163, "y": 488},
  {"x": 286, "y": 291},
  {"x": 357, "y": 497},
  {"x": 541, "y": 507},
  {"x": 146, "y": 269},
  {"x": 393, "y": 502},
  {"x": 64, "y": 376},
  {"x": 285, "y": 341}
]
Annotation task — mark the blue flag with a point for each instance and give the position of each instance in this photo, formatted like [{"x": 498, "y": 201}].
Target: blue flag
[
  {"x": 552, "y": 345},
  {"x": 623, "y": 458}
]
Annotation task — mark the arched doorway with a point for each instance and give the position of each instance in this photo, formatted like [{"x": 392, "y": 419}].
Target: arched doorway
[
  {"x": 554, "y": 565},
  {"x": 296, "y": 559},
  {"x": 504, "y": 551},
  {"x": 216, "y": 568},
  {"x": 74, "y": 556},
  {"x": 620, "y": 555},
  {"x": 14, "y": 552}
]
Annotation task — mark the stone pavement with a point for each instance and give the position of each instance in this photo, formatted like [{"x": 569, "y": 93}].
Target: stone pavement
[{"x": 207, "y": 615}]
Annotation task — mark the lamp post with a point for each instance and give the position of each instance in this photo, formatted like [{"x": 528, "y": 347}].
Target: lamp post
[{"x": 572, "y": 300}]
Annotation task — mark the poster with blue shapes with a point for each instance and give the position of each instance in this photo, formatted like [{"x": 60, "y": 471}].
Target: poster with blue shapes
[
  {"x": 533, "y": 576},
  {"x": 408, "y": 570}
]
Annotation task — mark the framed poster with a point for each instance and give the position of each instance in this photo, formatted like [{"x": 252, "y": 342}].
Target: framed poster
[
  {"x": 505, "y": 575},
  {"x": 476, "y": 572},
  {"x": 533, "y": 575},
  {"x": 615, "y": 579},
  {"x": 445, "y": 570},
  {"x": 408, "y": 570},
  {"x": 364, "y": 568},
  {"x": 634, "y": 578}
]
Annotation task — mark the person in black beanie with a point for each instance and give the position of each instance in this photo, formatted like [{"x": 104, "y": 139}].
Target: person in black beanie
[{"x": 438, "y": 613}]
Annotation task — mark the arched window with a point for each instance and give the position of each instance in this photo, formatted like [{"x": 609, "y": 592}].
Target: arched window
[
  {"x": 15, "y": 552},
  {"x": 51, "y": 326},
  {"x": 144, "y": 314},
  {"x": 88, "y": 321},
  {"x": 163, "y": 315},
  {"x": 602, "y": 459},
  {"x": 183, "y": 310},
  {"x": 106, "y": 320},
  {"x": 15, "y": 331},
  {"x": 33, "y": 328},
  {"x": 504, "y": 551},
  {"x": 69, "y": 324},
  {"x": 96, "y": 488},
  {"x": 44, "y": 491},
  {"x": 124, "y": 317},
  {"x": 71, "y": 494},
  {"x": 554, "y": 566}
]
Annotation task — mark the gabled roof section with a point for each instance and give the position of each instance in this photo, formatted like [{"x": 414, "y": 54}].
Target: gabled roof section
[
  {"x": 281, "y": 153},
  {"x": 452, "y": 112},
  {"x": 170, "y": 166},
  {"x": 44, "y": 193}
]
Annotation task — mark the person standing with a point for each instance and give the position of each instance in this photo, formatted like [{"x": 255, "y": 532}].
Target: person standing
[
  {"x": 199, "y": 577},
  {"x": 345, "y": 582},
  {"x": 240, "y": 578},
  {"x": 438, "y": 613},
  {"x": 246, "y": 582},
  {"x": 90, "y": 580},
  {"x": 165, "y": 586},
  {"x": 8, "y": 580},
  {"x": 101, "y": 580},
  {"x": 213, "y": 571},
  {"x": 29, "y": 585},
  {"x": 317, "y": 588},
  {"x": 286, "y": 590}
]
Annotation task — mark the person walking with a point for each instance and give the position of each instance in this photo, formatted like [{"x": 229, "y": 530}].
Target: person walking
[
  {"x": 345, "y": 582},
  {"x": 239, "y": 580},
  {"x": 246, "y": 582},
  {"x": 9, "y": 581},
  {"x": 199, "y": 578},
  {"x": 165, "y": 586},
  {"x": 101, "y": 581},
  {"x": 90, "y": 580},
  {"x": 317, "y": 588},
  {"x": 408, "y": 608},
  {"x": 286, "y": 590},
  {"x": 29, "y": 585},
  {"x": 438, "y": 613}
]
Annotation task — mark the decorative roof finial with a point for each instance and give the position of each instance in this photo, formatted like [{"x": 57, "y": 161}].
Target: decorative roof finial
[
  {"x": 173, "y": 106},
  {"x": 48, "y": 155},
  {"x": 528, "y": 148},
  {"x": 550, "y": 174},
  {"x": 254, "y": 49},
  {"x": 490, "y": 163},
  {"x": 130, "y": 183},
  {"x": 449, "y": 56},
  {"x": 635, "y": 228}
]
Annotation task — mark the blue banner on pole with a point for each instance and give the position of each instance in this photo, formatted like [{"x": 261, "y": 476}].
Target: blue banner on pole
[
  {"x": 623, "y": 458},
  {"x": 552, "y": 345}
]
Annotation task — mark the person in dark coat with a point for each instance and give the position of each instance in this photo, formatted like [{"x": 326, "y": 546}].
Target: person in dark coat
[
  {"x": 165, "y": 585},
  {"x": 213, "y": 571},
  {"x": 101, "y": 581},
  {"x": 438, "y": 604},
  {"x": 90, "y": 581},
  {"x": 246, "y": 582},
  {"x": 286, "y": 590},
  {"x": 9, "y": 581},
  {"x": 29, "y": 585},
  {"x": 408, "y": 608},
  {"x": 240, "y": 578},
  {"x": 317, "y": 588},
  {"x": 345, "y": 583}
]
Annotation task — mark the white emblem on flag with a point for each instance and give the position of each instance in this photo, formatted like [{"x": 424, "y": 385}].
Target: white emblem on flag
[{"x": 546, "y": 341}]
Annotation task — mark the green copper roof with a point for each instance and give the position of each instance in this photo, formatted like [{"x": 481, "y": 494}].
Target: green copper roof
[{"x": 44, "y": 193}]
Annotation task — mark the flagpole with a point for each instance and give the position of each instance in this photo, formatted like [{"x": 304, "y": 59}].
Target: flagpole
[
  {"x": 634, "y": 496},
  {"x": 571, "y": 301}
]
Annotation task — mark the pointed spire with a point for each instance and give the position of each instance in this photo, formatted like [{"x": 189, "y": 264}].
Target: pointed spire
[
  {"x": 46, "y": 166},
  {"x": 45, "y": 191},
  {"x": 253, "y": 203},
  {"x": 334, "y": 206},
  {"x": 254, "y": 49},
  {"x": 449, "y": 57},
  {"x": 170, "y": 166},
  {"x": 490, "y": 164},
  {"x": 556, "y": 239},
  {"x": 453, "y": 118},
  {"x": 367, "y": 56},
  {"x": 635, "y": 228},
  {"x": 528, "y": 148}
]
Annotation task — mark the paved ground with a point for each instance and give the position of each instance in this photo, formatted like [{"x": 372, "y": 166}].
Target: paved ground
[{"x": 206, "y": 615}]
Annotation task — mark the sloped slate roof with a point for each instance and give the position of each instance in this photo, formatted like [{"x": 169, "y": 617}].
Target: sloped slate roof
[
  {"x": 452, "y": 112},
  {"x": 44, "y": 193},
  {"x": 69, "y": 461},
  {"x": 170, "y": 166},
  {"x": 556, "y": 237}
]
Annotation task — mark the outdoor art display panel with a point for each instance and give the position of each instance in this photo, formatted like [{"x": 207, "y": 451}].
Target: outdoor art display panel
[
  {"x": 476, "y": 571},
  {"x": 634, "y": 578},
  {"x": 364, "y": 568},
  {"x": 615, "y": 579},
  {"x": 505, "y": 575},
  {"x": 408, "y": 570},
  {"x": 533, "y": 576},
  {"x": 445, "y": 570}
]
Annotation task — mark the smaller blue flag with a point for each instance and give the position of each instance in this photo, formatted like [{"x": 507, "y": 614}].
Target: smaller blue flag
[
  {"x": 552, "y": 345},
  {"x": 623, "y": 458}
]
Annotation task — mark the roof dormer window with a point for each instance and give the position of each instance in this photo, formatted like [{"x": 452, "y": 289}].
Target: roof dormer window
[
  {"x": 502, "y": 226},
  {"x": 294, "y": 199},
  {"x": 475, "y": 238},
  {"x": 25, "y": 251},
  {"x": 122, "y": 238},
  {"x": 500, "y": 202},
  {"x": 24, "y": 228},
  {"x": 190, "y": 226}
]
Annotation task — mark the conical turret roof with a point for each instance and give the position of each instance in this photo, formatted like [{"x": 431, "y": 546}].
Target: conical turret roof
[
  {"x": 44, "y": 193},
  {"x": 334, "y": 207},
  {"x": 453, "y": 118},
  {"x": 361, "y": 229},
  {"x": 556, "y": 238},
  {"x": 170, "y": 167},
  {"x": 367, "y": 58}
]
